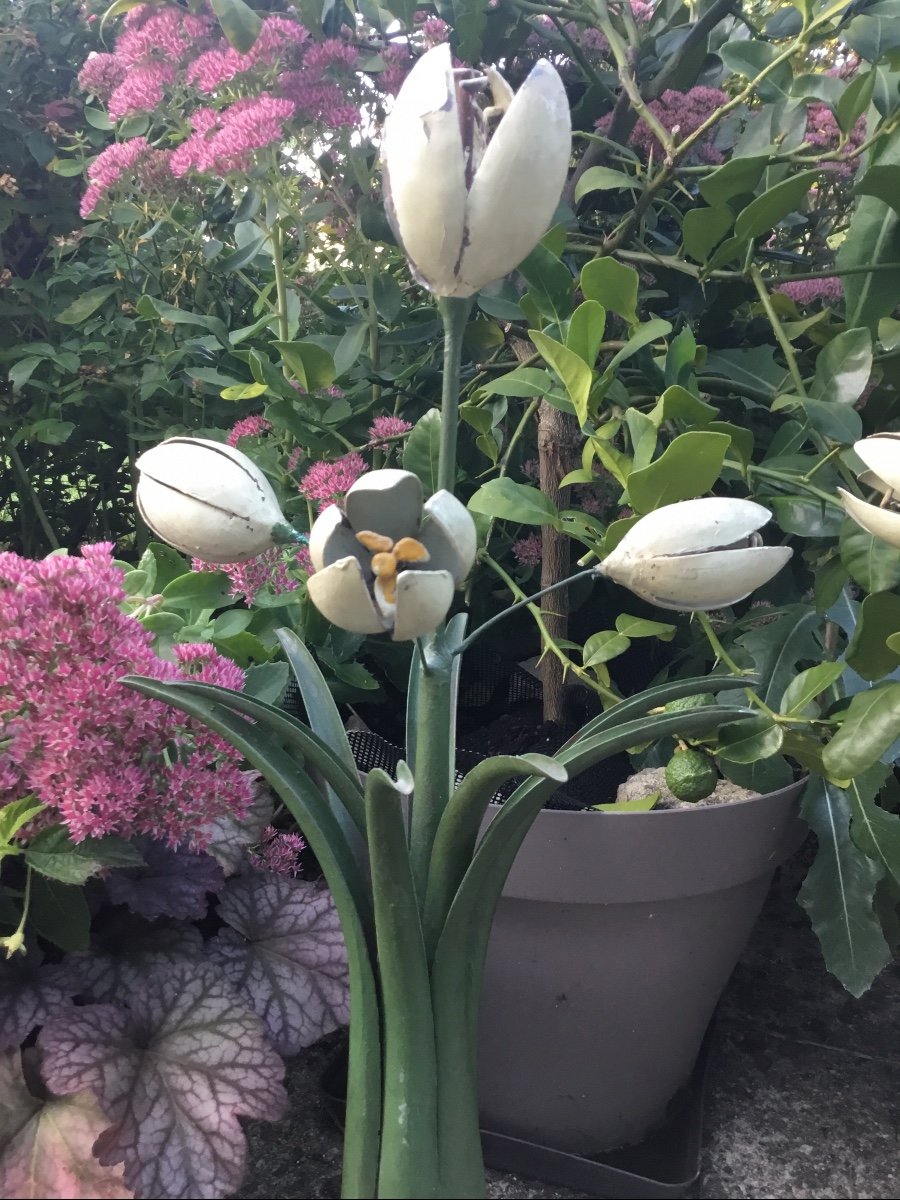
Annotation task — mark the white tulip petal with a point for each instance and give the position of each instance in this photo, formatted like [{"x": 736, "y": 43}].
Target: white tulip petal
[
  {"x": 883, "y": 523},
  {"x": 206, "y": 499},
  {"x": 517, "y": 187},
  {"x": 881, "y": 454},
  {"x": 697, "y": 582},
  {"x": 449, "y": 535},
  {"x": 388, "y": 502},
  {"x": 332, "y": 538},
  {"x": 691, "y": 526},
  {"x": 423, "y": 599},
  {"x": 342, "y": 596},
  {"x": 424, "y": 167}
]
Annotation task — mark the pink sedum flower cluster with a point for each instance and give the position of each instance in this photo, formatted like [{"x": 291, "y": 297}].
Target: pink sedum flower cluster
[
  {"x": 824, "y": 133},
  {"x": 806, "y": 291},
  {"x": 103, "y": 758},
  {"x": 271, "y": 569},
  {"x": 278, "y": 852},
  {"x": 682, "y": 114},
  {"x": 328, "y": 482},
  {"x": 165, "y": 53},
  {"x": 529, "y": 551},
  {"x": 253, "y": 426},
  {"x": 383, "y": 428}
]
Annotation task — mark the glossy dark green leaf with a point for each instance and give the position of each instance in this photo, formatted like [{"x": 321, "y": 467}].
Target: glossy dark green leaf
[
  {"x": 52, "y": 853},
  {"x": 870, "y": 562},
  {"x": 150, "y": 306},
  {"x": 750, "y": 740},
  {"x": 240, "y": 24},
  {"x": 550, "y": 283},
  {"x": 602, "y": 179},
  {"x": 737, "y": 177},
  {"x": 688, "y": 467},
  {"x": 869, "y": 653},
  {"x": 603, "y": 646},
  {"x": 198, "y": 589},
  {"x": 871, "y": 726},
  {"x": 875, "y": 830},
  {"x": 511, "y": 501},
  {"x": 765, "y": 212},
  {"x": 574, "y": 373},
  {"x": 779, "y": 646},
  {"x": 806, "y": 516},
  {"x": 59, "y": 912},
  {"x": 678, "y": 404},
  {"x": 838, "y": 891},
  {"x": 421, "y": 450},
  {"x": 803, "y": 690},
  {"x": 855, "y": 98},
  {"x": 85, "y": 305},
  {"x": 872, "y": 239},
  {"x": 612, "y": 284},
  {"x": 844, "y": 366},
  {"x": 311, "y": 365},
  {"x": 703, "y": 229}
]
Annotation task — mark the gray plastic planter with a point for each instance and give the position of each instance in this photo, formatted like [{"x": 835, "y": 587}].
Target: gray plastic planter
[{"x": 613, "y": 941}]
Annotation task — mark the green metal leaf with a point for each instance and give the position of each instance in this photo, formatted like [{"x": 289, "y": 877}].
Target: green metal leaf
[
  {"x": 352, "y": 898},
  {"x": 838, "y": 892},
  {"x": 458, "y": 830},
  {"x": 410, "y": 1069}
]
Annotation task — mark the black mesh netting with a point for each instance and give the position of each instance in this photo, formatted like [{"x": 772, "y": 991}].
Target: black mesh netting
[{"x": 489, "y": 686}]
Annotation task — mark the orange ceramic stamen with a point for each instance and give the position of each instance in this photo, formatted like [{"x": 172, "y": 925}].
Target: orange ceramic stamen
[{"x": 375, "y": 543}]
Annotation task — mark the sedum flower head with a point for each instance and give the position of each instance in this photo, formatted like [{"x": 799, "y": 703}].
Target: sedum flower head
[{"x": 102, "y": 758}]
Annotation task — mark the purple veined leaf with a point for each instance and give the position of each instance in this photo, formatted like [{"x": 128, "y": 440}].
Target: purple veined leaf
[
  {"x": 30, "y": 993},
  {"x": 46, "y": 1145},
  {"x": 229, "y": 837},
  {"x": 119, "y": 965},
  {"x": 285, "y": 954},
  {"x": 171, "y": 883},
  {"x": 172, "y": 1074}
]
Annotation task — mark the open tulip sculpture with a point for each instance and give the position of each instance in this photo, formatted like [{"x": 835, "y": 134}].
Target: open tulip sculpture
[{"x": 414, "y": 880}]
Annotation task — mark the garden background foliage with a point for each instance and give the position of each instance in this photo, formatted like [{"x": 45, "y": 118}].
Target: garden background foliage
[{"x": 192, "y": 240}]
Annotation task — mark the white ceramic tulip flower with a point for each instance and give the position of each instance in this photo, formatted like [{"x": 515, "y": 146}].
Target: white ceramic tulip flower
[
  {"x": 881, "y": 454},
  {"x": 388, "y": 562},
  {"x": 207, "y": 499},
  {"x": 696, "y": 555},
  {"x": 469, "y": 204}
]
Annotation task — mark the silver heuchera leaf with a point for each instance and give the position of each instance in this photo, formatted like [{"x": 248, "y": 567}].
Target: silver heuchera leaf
[
  {"x": 46, "y": 1144},
  {"x": 285, "y": 954},
  {"x": 172, "y": 1073},
  {"x": 229, "y": 837},
  {"x": 107, "y": 973},
  {"x": 29, "y": 995},
  {"x": 171, "y": 883}
]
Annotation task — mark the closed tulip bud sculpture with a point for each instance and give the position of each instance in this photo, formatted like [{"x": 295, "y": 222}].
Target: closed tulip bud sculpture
[{"x": 881, "y": 454}]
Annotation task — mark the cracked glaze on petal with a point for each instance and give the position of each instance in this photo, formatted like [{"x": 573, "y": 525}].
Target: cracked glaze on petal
[
  {"x": 331, "y": 538},
  {"x": 424, "y": 167},
  {"x": 388, "y": 502},
  {"x": 449, "y": 534},
  {"x": 700, "y": 582},
  {"x": 518, "y": 185},
  {"x": 881, "y": 454},
  {"x": 341, "y": 594},
  {"x": 883, "y": 523},
  {"x": 423, "y": 600}
]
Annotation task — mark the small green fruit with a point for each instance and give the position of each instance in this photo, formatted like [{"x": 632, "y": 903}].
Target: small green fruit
[
  {"x": 686, "y": 703},
  {"x": 691, "y": 776}
]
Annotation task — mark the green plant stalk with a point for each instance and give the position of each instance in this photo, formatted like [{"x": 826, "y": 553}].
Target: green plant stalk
[
  {"x": 280, "y": 281},
  {"x": 778, "y": 329},
  {"x": 454, "y": 313},
  {"x": 29, "y": 488}
]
